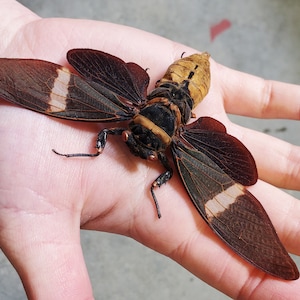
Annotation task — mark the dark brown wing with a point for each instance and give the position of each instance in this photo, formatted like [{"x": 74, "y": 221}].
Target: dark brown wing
[
  {"x": 209, "y": 137},
  {"x": 51, "y": 89},
  {"x": 232, "y": 212},
  {"x": 127, "y": 80}
]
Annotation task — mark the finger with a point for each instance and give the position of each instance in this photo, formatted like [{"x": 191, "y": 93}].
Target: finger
[
  {"x": 226, "y": 267},
  {"x": 44, "y": 247},
  {"x": 278, "y": 162},
  {"x": 59, "y": 266},
  {"x": 283, "y": 210},
  {"x": 255, "y": 97},
  {"x": 47, "y": 258}
]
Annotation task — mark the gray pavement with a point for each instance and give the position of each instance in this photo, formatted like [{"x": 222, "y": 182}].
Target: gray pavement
[{"x": 264, "y": 40}]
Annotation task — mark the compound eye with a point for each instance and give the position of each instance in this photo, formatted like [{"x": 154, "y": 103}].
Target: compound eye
[
  {"x": 125, "y": 135},
  {"x": 152, "y": 156}
]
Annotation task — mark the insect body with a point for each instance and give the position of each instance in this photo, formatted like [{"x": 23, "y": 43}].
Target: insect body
[{"x": 214, "y": 166}]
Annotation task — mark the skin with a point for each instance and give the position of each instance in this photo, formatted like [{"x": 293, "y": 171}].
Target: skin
[{"x": 45, "y": 199}]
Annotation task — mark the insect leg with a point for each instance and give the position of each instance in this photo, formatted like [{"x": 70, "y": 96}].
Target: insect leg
[
  {"x": 100, "y": 143},
  {"x": 161, "y": 179},
  {"x": 102, "y": 138}
]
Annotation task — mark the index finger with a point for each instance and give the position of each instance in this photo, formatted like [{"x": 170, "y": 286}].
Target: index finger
[{"x": 253, "y": 96}]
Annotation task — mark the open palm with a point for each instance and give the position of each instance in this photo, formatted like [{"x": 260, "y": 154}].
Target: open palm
[{"x": 45, "y": 199}]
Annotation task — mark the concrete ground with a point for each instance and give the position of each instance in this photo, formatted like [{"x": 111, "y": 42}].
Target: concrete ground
[{"x": 263, "y": 39}]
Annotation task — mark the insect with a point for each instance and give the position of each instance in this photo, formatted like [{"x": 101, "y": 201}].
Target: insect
[{"x": 214, "y": 166}]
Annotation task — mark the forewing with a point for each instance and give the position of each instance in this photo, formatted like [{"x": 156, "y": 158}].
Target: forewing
[
  {"x": 233, "y": 213},
  {"x": 52, "y": 89},
  {"x": 209, "y": 136},
  {"x": 127, "y": 80}
]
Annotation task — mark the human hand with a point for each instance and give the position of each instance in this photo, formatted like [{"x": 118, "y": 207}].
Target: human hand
[{"x": 46, "y": 199}]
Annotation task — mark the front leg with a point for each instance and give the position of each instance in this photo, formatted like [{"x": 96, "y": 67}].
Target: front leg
[
  {"x": 100, "y": 143},
  {"x": 102, "y": 138},
  {"x": 161, "y": 179}
]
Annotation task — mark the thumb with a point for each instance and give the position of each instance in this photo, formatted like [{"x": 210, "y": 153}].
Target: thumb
[{"x": 46, "y": 252}]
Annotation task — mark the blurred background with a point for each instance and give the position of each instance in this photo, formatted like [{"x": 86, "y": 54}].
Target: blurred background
[{"x": 257, "y": 37}]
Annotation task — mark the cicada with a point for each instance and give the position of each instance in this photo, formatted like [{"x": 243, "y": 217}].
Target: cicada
[{"x": 215, "y": 167}]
